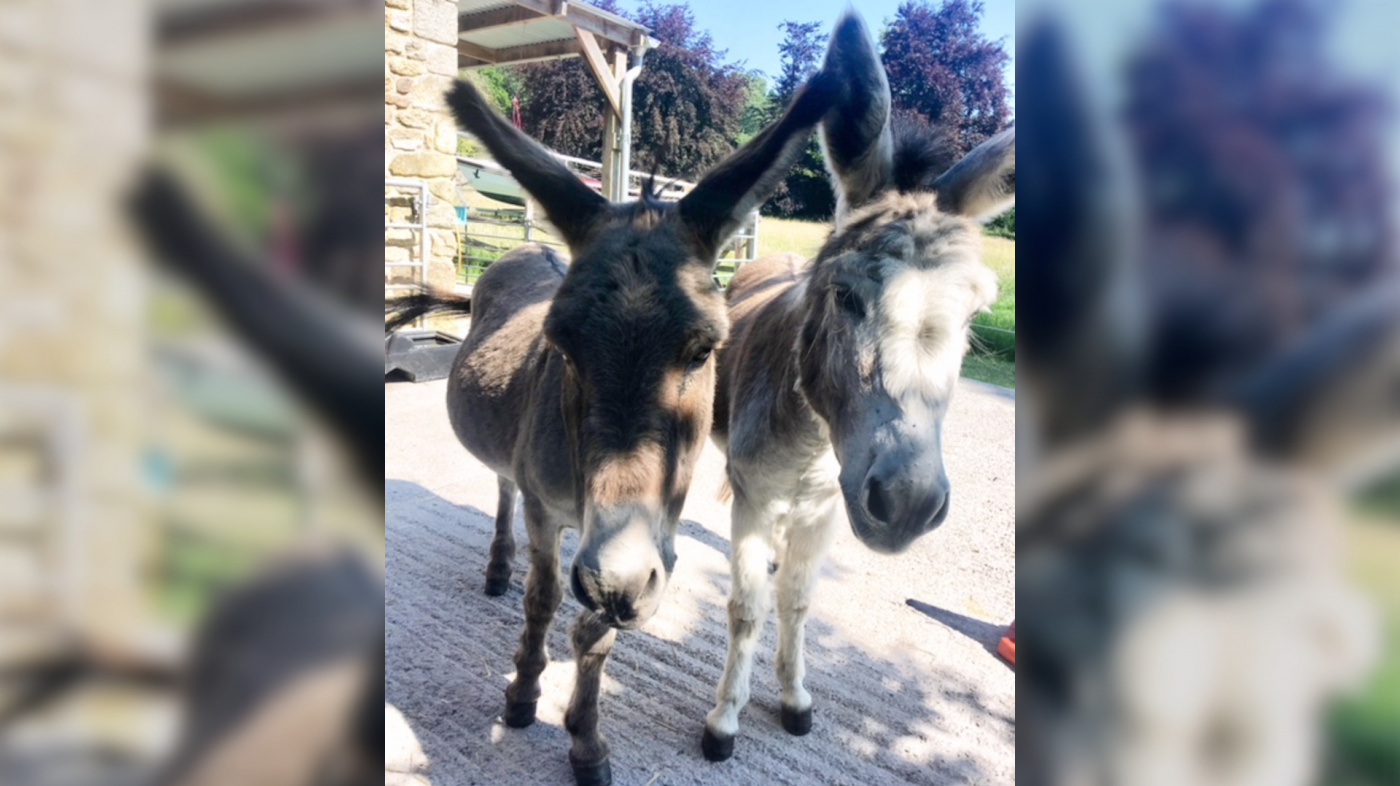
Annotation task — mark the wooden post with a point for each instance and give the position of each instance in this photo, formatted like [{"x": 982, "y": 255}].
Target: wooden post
[
  {"x": 614, "y": 179},
  {"x": 610, "y": 137}
]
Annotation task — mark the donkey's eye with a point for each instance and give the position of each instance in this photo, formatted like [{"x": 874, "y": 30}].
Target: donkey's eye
[
  {"x": 699, "y": 358},
  {"x": 849, "y": 301}
]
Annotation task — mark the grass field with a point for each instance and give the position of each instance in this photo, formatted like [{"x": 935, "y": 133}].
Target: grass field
[
  {"x": 1364, "y": 729},
  {"x": 992, "y": 359}
]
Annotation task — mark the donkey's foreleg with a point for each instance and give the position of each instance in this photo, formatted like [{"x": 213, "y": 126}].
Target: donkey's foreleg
[
  {"x": 593, "y": 640},
  {"x": 503, "y": 544},
  {"x": 748, "y": 609},
  {"x": 807, "y": 542},
  {"x": 543, "y": 593}
]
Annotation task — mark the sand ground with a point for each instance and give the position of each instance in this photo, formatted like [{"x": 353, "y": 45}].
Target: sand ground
[{"x": 899, "y": 649}]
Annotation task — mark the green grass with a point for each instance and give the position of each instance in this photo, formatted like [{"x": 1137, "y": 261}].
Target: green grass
[
  {"x": 1364, "y": 731},
  {"x": 993, "y": 356},
  {"x": 991, "y": 370},
  {"x": 804, "y": 238}
]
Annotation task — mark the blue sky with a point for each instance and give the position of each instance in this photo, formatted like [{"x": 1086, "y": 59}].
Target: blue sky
[{"x": 749, "y": 28}]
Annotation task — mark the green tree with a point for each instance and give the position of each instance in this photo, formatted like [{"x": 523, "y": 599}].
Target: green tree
[
  {"x": 944, "y": 70},
  {"x": 688, "y": 102},
  {"x": 805, "y": 192}
]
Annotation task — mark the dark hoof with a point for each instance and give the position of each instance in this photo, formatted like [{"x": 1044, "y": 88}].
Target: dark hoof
[
  {"x": 797, "y": 723},
  {"x": 599, "y": 774},
  {"x": 518, "y": 716},
  {"x": 715, "y": 747},
  {"x": 497, "y": 587}
]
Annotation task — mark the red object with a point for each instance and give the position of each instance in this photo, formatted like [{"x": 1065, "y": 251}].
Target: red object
[
  {"x": 515, "y": 111},
  {"x": 1007, "y": 647}
]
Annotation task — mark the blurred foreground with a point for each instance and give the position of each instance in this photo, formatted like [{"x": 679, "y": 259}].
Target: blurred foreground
[
  {"x": 1209, "y": 379},
  {"x": 191, "y": 539}
]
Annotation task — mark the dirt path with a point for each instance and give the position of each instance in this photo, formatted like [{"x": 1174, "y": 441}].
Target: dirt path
[{"x": 899, "y": 649}]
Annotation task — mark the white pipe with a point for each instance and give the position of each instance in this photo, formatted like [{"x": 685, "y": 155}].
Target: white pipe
[{"x": 627, "y": 80}]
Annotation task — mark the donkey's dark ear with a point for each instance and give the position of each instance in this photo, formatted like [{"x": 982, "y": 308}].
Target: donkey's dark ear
[
  {"x": 724, "y": 198},
  {"x": 1079, "y": 351},
  {"x": 983, "y": 183},
  {"x": 856, "y": 135},
  {"x": 573, "y": 208},
  {"x": 1329, "y": 400}
]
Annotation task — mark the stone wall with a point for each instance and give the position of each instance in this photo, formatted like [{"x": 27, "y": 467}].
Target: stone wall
[
  {"x": 73, "y": 80},
  {"x": 420, "y": 137}
]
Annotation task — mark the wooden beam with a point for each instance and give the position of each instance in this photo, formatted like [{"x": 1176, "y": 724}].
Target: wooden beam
[
  {"x": 585, "y": 19},
  {"x": 179, "y": 105},
  {"x": 177, "y": 28},
  {"x": 529, "y": 53},
  {"x": 496, "y": 18},
  {"x": 477, "y": 52},
  {"x": 599, "y": 66}
]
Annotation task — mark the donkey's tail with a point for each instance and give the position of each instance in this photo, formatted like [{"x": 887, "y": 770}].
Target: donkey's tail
[{"x": 403, "y": 310}]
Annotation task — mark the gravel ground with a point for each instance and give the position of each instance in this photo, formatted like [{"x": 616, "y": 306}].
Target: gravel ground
[{"x": 899, "y": 649}]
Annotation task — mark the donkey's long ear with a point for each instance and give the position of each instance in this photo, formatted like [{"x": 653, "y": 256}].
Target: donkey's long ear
[
  {"x": 1329, "y": 401},
  {"x": 724, "y": 197},
  {"x": 856, "y": 134},
  {"x": 983, "y": 183},
  {"x": 1080, "y": 351},
  {"x": 573, "y": 208}
]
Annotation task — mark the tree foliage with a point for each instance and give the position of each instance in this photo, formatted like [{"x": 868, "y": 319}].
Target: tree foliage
[
  {"x": 1265, "y": 176},
  {"x": 801, "y": 50},
  {"x": 562, "y": 106},
  {"x": 805, "y": 192},
  {"x": 691, "y": 108},
  {"x": 757, "y": 108},
  {"x": 687, "y": 104},
  {"x": 1003, "y": 225},
  {"x": 942, "y": 69}
]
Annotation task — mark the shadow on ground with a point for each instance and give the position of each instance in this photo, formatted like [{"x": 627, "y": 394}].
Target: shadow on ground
[{"x": 448, "y": 659}]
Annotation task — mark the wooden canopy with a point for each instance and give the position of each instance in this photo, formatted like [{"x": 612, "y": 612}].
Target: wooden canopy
[{"x": 512, "y": 32}]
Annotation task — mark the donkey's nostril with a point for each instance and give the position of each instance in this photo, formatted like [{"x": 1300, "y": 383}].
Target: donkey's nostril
[
  {"x": 652, "y": 581},
  {"x": 875, "y": 502},
  {"x": 580, "y": 593}
]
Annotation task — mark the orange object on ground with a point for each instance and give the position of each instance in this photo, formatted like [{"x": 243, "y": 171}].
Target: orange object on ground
[{"x": 1007, "y": 647}]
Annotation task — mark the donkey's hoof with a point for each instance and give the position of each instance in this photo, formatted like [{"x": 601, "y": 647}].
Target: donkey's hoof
[
  {"x": 715, "y": 746},
  {"x": 519, "y": 715},
  {"x": 496, "y": 587},
  {"x": 599, "y": 774},
  {"x": 797, "y": 722}
]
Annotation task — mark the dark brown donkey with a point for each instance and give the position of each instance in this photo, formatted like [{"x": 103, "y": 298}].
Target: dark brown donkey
[{"x": 589, "y": 386}]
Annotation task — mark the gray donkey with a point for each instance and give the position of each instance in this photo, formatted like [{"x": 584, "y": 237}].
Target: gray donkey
[
  {"x": 589, "y": 387},
  {"x": 833, "y": 387}
]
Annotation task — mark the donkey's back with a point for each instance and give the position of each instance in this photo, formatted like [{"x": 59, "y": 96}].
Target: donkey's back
[
  {"x": 755, "y": 285},
  {"x": 490, "y": 384}
]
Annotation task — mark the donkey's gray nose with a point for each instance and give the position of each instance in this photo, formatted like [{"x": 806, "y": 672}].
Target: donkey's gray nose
[
  {"x": 624, "y": 598},
  {"x": 903, "y": 504}
]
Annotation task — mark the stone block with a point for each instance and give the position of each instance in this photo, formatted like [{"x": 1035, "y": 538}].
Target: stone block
[
  {"x": 442, "y": 60},
  {"x": 415, "y": 118},
  {"x": 446, "y": 138},
  {"x": 402, "y": 66},
  {"x": 436, "y": 20},
  {"x": 405, "y": 139},
  {"x": 423, "y": 165}
]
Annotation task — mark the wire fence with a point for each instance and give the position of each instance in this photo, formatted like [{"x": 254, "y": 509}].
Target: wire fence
[{"x": 488, "y": 233}]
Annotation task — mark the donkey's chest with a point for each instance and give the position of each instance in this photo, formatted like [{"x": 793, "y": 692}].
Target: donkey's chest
[{"x": 800, "y": 490}]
